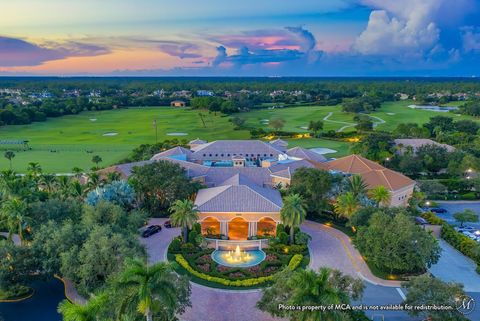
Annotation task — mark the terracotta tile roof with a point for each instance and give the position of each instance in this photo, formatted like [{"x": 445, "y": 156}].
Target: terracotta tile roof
[
  {"x": 373, "y": 174},
  {"x": 353, "y": 164}
]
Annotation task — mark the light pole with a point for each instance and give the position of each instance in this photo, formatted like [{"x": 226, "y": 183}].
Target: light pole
[{"x": 156, "y": 131}]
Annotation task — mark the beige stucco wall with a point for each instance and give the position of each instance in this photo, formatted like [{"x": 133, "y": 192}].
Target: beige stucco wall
[{"x": 401, "y": 196}]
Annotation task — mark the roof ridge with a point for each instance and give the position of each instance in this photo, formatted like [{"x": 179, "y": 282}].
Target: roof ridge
[
  {"x": 223, "y": 188},
  {"x": 249, "y": 187},
  {"x": 386, "y": 179},
  {"x": 361, "y": 160}
]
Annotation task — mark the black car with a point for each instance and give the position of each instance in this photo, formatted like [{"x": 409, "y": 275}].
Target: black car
[
  {"x": 167, "y": 224},
  {"x": 152, "y": 229},
  {"x": 438, "y": 210}
]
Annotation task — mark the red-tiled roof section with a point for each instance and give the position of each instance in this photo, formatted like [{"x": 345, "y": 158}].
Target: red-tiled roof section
[{"x": 373, "y": 174}]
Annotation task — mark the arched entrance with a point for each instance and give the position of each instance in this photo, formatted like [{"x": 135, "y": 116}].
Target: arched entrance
[
  {"x": 266, "y": 226},
  {"x": 238, "y": 229},
  {"x": 210, "y": 226}
]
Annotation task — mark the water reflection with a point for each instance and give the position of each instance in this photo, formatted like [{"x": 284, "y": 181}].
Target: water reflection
[{"x": 41, "y": 307}]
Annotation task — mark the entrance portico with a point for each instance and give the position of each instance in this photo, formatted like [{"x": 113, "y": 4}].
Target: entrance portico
[{"x": 239, "y": 226}]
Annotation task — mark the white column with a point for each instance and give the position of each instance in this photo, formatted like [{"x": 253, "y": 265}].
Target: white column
[
  {"x": 249, "y": 229},
  {"x": 254, "y": 228}
]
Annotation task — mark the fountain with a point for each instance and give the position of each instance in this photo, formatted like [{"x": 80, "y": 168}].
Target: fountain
[{"x": 238, "y": 258}]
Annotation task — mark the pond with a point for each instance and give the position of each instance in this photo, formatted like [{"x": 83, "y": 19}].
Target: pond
[{"x": 41, "y": 307}]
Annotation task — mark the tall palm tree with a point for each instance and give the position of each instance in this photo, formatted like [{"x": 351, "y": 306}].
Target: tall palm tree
[
  {"x": 13, "y": 214},
  {"x": 346, "y": 205},
  {"x": 381, "y": 195},
  {"x": 76, "y": 189},
  {"x": 34, "y": 169},
  {"x": 77, "y": 171},
  {"x": 356, "y": 185},
  {"x": 78, "y": 312},
  {"x": 184, "y": 214},
  {"x": 152, "y": 288},
  {"x": 113, "y": 176},
  {"x": 310, "y": 288},
  {"x": 48, "y": 182},
  {"x": 64, "y": 186},
  {"x": 9, "y": 155},
  {"x": 94, "y": 181},
  {"x": 293, "y": 213}
]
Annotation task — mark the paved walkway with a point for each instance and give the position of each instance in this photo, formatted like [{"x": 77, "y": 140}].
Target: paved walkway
[
  {"x": 330, "y": 247},
  {"x": 16, "y": 238},
  {"x": 453, "y": 266}
]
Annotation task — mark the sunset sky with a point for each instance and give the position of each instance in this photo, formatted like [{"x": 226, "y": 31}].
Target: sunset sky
[{"x": 240, "y": 38}]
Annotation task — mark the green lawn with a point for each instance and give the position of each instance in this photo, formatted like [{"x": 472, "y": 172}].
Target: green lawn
[
  {"x": 62, "y": 143},
  {"x": 76, "y": 138}
]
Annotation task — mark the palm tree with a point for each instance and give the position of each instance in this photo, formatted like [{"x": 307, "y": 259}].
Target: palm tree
[
  {"x": 96, "y": 159},
  {"x": 380, "y": 194},
  {"x": 77, "y": 171},
  {"x": 12, "y": 213},
  {"x": 310, "y": 288},
  {"x": 93, "y": 181},
  {"x": 113, "y": 176},
  {"x": 293, "y": 213},
  {"x": 356, "y": 185},
  {"x": 346, "y": 205},
  {"x": 184, "y": 214},
  {"x": 77, "y": 312},
  {"x": 9, "y": 155},
  {"x": 34, "y": 169},
  {"x": 76, "y": 189},
  {"x": 152, "y": 288},
  {"x": 64, "y": 188},
  {"x": 48, "y": 182}
]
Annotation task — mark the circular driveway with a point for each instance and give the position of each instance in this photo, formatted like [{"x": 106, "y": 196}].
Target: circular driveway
[{"x": 328, "y": 247}]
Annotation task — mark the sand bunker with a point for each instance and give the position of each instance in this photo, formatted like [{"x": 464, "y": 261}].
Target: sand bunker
[
  {"x": 391, "y": 114},
  {"x": 93, "y": 119},
  {"x": 110, "y": 134},
  {"x": 322, "y": 151}
]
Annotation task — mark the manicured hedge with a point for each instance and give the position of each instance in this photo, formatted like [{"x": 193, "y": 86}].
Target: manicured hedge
[
  {"x": 456, "y": 239},
  {"x": 293, "y": 264}
]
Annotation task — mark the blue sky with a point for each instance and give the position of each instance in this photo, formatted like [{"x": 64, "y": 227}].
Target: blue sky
[{"x": 243, "y": 38}]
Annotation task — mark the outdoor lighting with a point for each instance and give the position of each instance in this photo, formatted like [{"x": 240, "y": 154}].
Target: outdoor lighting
[
  {"x": 477, "y": 233},
  {"x": 469, "y": 170},
  {"x": 237, "y": 256},
  {"x": 387, "y": 159},
  {"x": 427, "y": 203}
]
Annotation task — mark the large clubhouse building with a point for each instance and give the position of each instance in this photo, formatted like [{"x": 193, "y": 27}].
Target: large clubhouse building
[{"x": 241, "y": 177}]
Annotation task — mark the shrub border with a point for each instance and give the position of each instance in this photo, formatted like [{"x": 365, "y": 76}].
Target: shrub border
[{"x": 292, "y": 265}]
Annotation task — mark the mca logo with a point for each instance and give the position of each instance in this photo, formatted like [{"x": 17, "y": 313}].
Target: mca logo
[{"x": 465, "y": 304}]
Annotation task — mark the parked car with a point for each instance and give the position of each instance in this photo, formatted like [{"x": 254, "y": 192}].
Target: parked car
[
  {"x": 167, "y": 224},
  {"x": 152, "y": 229},
  {"x": 438, "y": 210},
  {"x": 420, "y": 221}
]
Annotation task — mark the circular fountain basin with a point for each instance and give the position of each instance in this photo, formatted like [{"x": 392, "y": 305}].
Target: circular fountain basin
[{"x": 223, "y": 257}]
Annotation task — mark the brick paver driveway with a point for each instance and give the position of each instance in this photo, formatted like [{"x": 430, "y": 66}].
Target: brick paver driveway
[{"x": 328, "y": 247}]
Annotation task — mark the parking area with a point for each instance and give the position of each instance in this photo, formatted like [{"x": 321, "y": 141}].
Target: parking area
[
  {"x": 157, "y": 244},
  {"x": 453, "y": 266}
]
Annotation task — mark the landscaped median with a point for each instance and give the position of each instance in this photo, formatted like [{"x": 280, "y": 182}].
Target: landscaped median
[{"x": 292, "y": 265}]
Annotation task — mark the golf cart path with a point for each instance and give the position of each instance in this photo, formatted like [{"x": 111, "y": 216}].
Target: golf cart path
[
  {"x": 15, "y": 238},
  {"x": 378, "y": 121},
  {"x": 326, "y": 118}
]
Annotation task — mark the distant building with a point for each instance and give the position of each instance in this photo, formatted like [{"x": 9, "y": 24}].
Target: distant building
[
  {"x": 178, "y": 103},
  {"x": 416, "y": 143},
  {"x": 205, "y": 93}
]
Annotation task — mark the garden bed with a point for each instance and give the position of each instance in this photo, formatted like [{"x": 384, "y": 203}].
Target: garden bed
[{"x": 198, "y": 263}]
